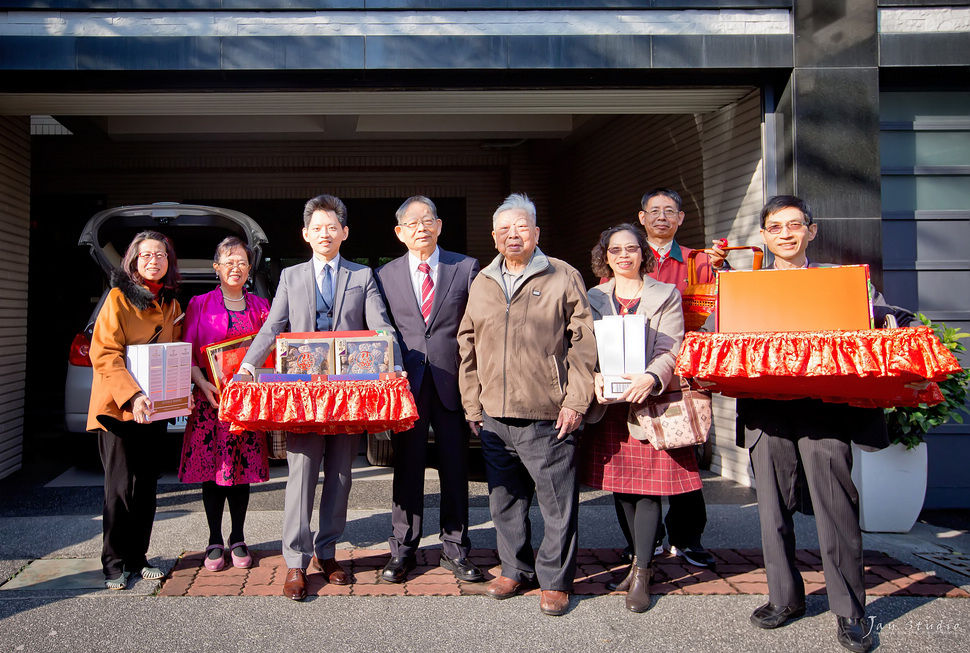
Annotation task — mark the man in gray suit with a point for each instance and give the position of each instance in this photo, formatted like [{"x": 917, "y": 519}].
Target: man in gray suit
[
  {"x": 327, "y": 293},
  {"x": 807, "y": 442},
  {"x": 426, "y": 291}
]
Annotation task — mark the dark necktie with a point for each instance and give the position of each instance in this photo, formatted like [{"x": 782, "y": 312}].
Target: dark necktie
[{"x": 325, "y": 300}]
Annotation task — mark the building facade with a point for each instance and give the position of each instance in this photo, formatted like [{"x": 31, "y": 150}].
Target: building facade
[{"x": 862, "y": 108}]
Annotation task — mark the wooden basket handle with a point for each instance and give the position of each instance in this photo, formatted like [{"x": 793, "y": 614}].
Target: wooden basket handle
[{"x": 759, "y": 257}]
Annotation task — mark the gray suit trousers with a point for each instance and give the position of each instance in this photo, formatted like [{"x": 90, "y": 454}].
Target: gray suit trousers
[
  {"x": 523, "y": 459},
  {"x": 827, "y": 465},
  {"x": 305, "y": 452}
]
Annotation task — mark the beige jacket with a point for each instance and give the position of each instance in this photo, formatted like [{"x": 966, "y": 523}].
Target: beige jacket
[
  {"x": 660, "y": 304},
  {"x": 528, "y": 356}
]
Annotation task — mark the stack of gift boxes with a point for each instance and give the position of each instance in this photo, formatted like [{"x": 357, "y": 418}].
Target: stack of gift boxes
[{"x": 332, "y": 356}]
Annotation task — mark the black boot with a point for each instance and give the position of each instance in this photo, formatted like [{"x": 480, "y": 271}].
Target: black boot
[
  {"x": 638, "y": 596},
  {"x": 624, "y": 584}
]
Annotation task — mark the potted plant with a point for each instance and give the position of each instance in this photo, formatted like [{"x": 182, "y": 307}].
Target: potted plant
[{"x": 892, "y": 482}]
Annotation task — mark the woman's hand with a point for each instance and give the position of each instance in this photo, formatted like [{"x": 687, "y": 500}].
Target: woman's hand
[
  {"x": 640, "y": 389},
  {"x": 210, "y": 392},
  {"x": 598, "y": 389},
  {"x": 143, "y": 409}
]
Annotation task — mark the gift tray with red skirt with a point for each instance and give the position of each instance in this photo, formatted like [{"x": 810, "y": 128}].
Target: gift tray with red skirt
[
  {"x": 869, "y": 368},
  {"x": 325, "y": 407}
]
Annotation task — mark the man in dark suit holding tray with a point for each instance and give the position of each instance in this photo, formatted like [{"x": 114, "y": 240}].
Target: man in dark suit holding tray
[{"x": 808, "y": 442}]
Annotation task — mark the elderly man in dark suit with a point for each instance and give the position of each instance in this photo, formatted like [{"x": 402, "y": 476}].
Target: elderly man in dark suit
[
  {"x": 327, "y": 293},
  {"x": 426, "y": 291},
  {"x": 808, "y": 442}
]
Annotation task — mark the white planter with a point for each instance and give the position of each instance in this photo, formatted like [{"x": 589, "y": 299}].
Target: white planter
[{"x": 892, "y": 486}]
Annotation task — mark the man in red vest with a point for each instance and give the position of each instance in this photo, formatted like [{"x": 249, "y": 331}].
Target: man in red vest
[{"x": 661, "y": 215}]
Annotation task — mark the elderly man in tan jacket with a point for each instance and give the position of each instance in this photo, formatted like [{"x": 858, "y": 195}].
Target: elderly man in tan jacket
[{"x": 526, "y": 377}]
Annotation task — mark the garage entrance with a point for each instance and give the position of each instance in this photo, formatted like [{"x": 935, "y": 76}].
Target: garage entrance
[{"x": 584, "y": 156}]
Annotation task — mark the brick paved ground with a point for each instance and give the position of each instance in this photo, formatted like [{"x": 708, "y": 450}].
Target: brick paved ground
[{"x": 738, "y": 571}]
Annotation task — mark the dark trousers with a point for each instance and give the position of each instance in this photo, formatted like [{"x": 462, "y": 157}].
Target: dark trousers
[
  {"x": 826, "y": 463},
  {"x": 410, "y": 460},
  {"x": 129, "y": 454},
  {"x": 524, "y": 459},
  {"x": 685, "y": 520},
  {"x": 642, "y": 513}
]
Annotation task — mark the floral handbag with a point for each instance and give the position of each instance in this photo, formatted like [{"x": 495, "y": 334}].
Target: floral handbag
[{"x": 677, "y": 418}]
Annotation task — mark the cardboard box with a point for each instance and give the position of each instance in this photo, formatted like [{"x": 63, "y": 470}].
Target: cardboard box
[
  {"x": 620, "y": 346},
  {"x": 164, "y": 373},
  {"x": 807, "y": 299}
]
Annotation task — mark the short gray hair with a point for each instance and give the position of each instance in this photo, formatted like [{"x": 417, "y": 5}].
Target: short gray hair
[
  {"x": 517, "y": 202},
  {"x": 399, "y": 214}
]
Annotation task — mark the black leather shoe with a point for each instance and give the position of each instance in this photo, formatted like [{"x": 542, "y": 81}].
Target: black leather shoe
[
  {"x": 397, "y": 568},
  {"x": 462, "y": 568},
  {"x": 771, "y": 616},
  {"x": 855, "y": 634}
]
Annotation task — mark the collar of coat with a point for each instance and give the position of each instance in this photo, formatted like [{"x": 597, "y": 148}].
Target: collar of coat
[
  {"x": 537, "y": 264},
  {"x": 137, "y": 295}
]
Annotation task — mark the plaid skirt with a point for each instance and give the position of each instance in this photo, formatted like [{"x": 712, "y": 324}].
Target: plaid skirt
[{"x": 613, "y": 461}]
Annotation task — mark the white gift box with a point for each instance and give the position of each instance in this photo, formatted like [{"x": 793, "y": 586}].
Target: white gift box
[
  {"x": 621, "y": 347},
  {"x": 164, "y": 373}
]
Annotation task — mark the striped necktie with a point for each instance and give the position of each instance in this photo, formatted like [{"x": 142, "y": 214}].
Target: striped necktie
[{"x": 427, "y": 291}]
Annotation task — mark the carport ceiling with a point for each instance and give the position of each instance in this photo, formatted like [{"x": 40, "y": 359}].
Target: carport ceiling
[{"x": 358, "y": 114}]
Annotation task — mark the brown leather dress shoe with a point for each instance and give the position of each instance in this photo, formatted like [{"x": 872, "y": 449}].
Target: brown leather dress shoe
[
  {"x": 553, "y": 602},
  {"x": 332, "y": 570},
  {"x": 294, "y": 586},
  {"x": 504, "y": 587}
]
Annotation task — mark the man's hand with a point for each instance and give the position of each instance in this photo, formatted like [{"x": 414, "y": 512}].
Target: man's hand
[
  {"x": 640, "y": 389},
  {"x": 716, "y": 252},
  {"x": 919, "y": 386},
  {"x": 569, "y": 420},
  {"x": 476, "y": 427}
]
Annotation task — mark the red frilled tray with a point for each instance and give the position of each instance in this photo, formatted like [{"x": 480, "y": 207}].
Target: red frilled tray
[
  {"x": 325, "y": 407},
  {"x": 862, "y": 368}
]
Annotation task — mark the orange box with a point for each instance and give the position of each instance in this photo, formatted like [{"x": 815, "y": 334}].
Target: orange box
[{"x": 807, "y": 299}]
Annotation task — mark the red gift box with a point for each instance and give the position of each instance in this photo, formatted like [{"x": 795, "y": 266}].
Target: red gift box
[{"x": 866, "y": 368}]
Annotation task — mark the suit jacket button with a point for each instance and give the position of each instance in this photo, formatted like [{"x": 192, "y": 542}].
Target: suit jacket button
[{"x": 427, "y": 336}]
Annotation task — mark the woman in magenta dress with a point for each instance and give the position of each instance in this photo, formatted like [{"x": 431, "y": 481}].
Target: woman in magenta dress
[
  {"x": 225, "y": 463},
  {"x": 615, "y": 456}
]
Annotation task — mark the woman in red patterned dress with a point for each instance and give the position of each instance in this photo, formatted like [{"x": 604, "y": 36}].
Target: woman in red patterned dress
[
  {"x": 225, "y": 463},
  {"x": 615, "y": 456}
]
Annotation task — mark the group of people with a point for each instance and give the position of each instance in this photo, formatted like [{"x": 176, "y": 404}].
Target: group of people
[{"x": 507, "y": 353}]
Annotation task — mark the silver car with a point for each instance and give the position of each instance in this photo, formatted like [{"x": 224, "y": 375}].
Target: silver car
[{"x": 195, "y": 231}]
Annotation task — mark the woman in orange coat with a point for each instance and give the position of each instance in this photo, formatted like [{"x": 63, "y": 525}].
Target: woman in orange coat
[{"x": 140, "y": 308}]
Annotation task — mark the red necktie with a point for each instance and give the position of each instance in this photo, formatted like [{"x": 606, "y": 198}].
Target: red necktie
[{"x": 427, "y": 291}]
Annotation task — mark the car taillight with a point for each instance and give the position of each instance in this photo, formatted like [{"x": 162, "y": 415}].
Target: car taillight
[{"x": 80, "y": 351}]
